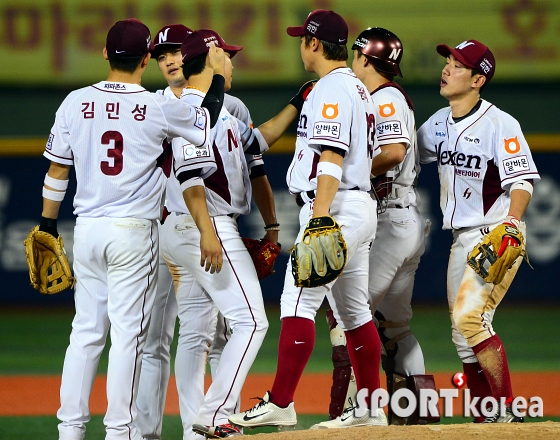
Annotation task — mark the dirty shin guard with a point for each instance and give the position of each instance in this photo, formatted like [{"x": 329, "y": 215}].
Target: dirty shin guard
[
  {"x": 478, "y": 386},
  {"x": 342, "y": 368}
]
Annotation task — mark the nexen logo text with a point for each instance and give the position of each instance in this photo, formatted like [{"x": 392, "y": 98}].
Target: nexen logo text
[{"x": 457, "y": 159}]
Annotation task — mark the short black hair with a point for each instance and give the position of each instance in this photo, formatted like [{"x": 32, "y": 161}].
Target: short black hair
[
  {"x": 194, "y": 66},
  {"x": 124, "y": 64},
  {"x": 477, "y": 72},
  {"x": 334, "y": 52}
]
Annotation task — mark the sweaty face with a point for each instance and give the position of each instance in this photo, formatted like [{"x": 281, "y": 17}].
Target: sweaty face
[
  {"x": 228, "y": 72},
  {"x": 456, "y": 79},
  {"x": 170, "y": 64}
]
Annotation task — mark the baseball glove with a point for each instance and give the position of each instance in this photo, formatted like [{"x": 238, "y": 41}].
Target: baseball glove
[
  {"x": 496, "y": 253},
  {"x": 263, "y": 253},
  {"x": 49, "y": 270},
  {"x": 321, "y": 255}
]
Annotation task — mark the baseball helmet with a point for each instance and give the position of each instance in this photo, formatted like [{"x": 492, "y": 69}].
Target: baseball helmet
[{"x": 382, "y": 48}]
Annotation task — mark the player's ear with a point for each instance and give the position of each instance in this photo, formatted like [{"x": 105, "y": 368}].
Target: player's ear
[
  {"x": 478, "y": 81},
  {"x": 105, "y": 54},
  {"x": 146, "y": 59}
]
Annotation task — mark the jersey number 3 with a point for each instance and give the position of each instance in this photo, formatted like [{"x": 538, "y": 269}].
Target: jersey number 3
[{"x": 116, "y": 153}]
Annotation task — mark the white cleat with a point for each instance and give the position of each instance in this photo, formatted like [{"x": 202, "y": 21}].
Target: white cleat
[
  {"x": 266, "y": 413},
  {"x": 348, "y": 420}
]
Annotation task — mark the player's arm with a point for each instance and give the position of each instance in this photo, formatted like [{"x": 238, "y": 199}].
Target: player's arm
[
  {"x": 272, "y": 129},
  {"x": 329, "y": 174},
  {"x": 214, "y": 98},
  {"x": 519, "y": 201},
  {"x": 210, "y": 248},
  {"x": 54, "y": 190},
  {"x": 264, "y": 199},
  {"x": 391, "y": 155}
]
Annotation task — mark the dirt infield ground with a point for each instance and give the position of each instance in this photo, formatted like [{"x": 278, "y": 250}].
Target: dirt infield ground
[
  {"x": 39, "y": 395},
  {"x": 467, "y": 431}
]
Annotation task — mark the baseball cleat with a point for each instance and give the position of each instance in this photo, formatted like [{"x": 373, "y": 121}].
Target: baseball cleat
[
  {"x": 508, "y": 417},
  {"x": 266, "y": 413},
  {"x": 348, "y": 420},
  {"x": 220, "y": 431}
]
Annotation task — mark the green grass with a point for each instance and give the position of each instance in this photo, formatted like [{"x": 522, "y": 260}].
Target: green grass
[
  {"x": 33, "y": 428},
  {"x": 34, "y": 342}
]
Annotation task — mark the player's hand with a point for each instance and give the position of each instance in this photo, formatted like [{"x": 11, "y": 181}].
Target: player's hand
[
  {"x": 217, "y": 59},
  {"x": 298, "y": 100},
  {"x": 210, "y": 253}
]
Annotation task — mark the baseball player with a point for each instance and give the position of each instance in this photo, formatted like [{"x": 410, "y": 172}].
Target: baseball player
[
  {"x": 487, "y": 176},
  {"x": 112, "y": 133},
  {"x": 329, "y": 175},
  {"x": 401, "y": 230},
  {"x": 195, "y": 348}
]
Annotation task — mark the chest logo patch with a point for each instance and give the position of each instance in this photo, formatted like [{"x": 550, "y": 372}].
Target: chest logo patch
[
  {"x": 512, "y": 145},
  {"x": 386, "y": 110},
  {"x": 330, "y": 111}
]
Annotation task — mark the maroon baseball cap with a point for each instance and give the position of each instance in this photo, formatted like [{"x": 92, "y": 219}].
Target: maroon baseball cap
[
  {"x": 128, "y": 38},
  {"x": 472, "y": 54},
  {"x": 171, "y": 35},
  {"x": 324, "y": 25},
  {"x": 199, "y": 41}
]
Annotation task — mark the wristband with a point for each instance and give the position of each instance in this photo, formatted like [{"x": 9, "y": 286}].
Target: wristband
[
  {"x": 57, "y": 196},
  {"x": 331, "y": 169},
  {"x": 522, "y": 184},
  {"x": 57, "y": 184},
  {"x": 49, "y": 225},
  {"x": 272, "y": 227}
]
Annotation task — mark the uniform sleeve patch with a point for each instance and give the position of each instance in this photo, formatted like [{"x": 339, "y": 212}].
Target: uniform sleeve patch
[
  {"x": 389, "y": 127},
  {"x": 200, "y": 121},
  {"x": 387, "y": 110},
  {"x": 516, "y": 164},
  {"x": 192, "y": 152},
  {"x": 326, "y": 129},
  {"x": 330, "y": 111},
  {"x": 50, "y": 141}
]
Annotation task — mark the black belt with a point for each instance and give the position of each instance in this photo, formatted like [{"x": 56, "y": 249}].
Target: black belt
[{"x": 299, "y": 199}]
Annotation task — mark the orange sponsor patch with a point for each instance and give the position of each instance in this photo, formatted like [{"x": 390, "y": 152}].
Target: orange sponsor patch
[
  {"x": 330, "y": 111},
  {"x": 512, "y": 145},
  {"x": 386, "y": 110}
]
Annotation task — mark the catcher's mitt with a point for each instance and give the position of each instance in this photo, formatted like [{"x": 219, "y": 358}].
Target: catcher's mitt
[
  {"x": 263, "y": 253},
  {"x": 496, "y": 253},
  {"x": 321, "y": 255},
  {"x": 49, "y": 270}
]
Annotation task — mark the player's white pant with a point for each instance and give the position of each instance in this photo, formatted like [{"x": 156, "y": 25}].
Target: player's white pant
[
  {"x": 355, "y": 212},
  {"x": 115, "y": 264},
  {"x": 394, "y": 257},
  {"x": 237, "y": 294},
  {"x": 156, "y": 361},
  {"x": 472, "y": 301}
]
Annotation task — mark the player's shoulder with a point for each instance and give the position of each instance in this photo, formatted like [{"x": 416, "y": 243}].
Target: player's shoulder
[
  {"x": 498, "y": 117},
  {"x": 438, "y": 118},
  {"x": 236, "y": 107}
]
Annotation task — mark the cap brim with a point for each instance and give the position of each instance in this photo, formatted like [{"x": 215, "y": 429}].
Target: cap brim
[
  {"x": 232, "y": 50},
  {"x": 444, "y": 50},
  {"x": 296, "y": 31},
  {"x": 159, "y": 48}
]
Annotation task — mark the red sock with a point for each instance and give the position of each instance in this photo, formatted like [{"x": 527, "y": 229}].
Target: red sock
[
  {"x": 491, "y": 356},
  {"x": 364, "y": 348},
  {"x": 297, "y": 339},
  {"x": 478, "y": 385}
]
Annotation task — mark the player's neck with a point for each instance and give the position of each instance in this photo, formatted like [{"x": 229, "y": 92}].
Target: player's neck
[
  {"x": 374, "y": 81},
  {"x": 460, "y": 106},
  {"x": 125, "y": 77},
  {"x": 178, "y": 90},
  {"x": 200, "y": 81},
  {"x": 324, "y": 67}
]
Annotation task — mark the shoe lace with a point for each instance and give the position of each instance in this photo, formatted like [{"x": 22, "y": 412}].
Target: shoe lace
[
  {"x": 258, "y": 405},
  {"x": 351, "y": 407}
]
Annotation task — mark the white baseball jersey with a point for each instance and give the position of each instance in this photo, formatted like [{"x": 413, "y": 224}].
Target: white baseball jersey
[
  {"x": 239, "y": 110},
  {"x": 478, "y": 158},
  {"x": 344, "y": 120},
  {"x": 112, "y": 133},
  {"x": 228, "y": 190},
  {"x": 394, "y": 124}
]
